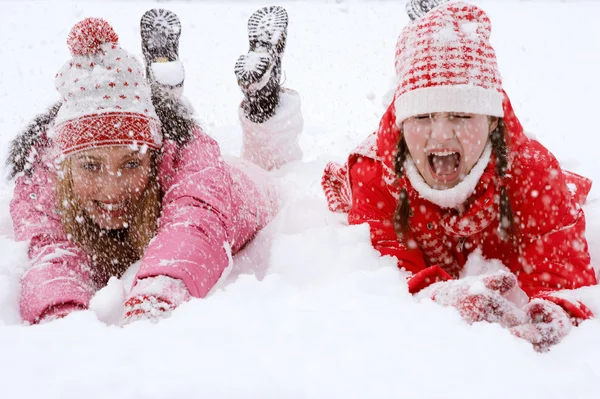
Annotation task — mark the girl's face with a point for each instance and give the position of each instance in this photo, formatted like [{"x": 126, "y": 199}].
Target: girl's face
[
  {"x": 445, "y": 146},
  {"x": 108, "y": 181}
]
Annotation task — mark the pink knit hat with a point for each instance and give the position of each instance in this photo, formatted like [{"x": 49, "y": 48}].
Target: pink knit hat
[
  {"x": 105, "y": 98},
  {"x": 445, "y": 63}
]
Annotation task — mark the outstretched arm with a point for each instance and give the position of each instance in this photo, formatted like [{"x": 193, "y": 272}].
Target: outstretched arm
[{"x": 59, "y": 278}]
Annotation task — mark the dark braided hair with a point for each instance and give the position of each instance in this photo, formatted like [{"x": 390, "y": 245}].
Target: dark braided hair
[{"x": 500, "y": 149}]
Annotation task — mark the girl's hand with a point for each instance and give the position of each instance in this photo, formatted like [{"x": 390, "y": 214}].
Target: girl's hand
[
  {"x": 547, "y": 324},
  {"x": 154, "y": 298},
  {"x": 480, "y": 298},
  {"x": 146, "y": 307},
  {"x": 58, "y": 312}
]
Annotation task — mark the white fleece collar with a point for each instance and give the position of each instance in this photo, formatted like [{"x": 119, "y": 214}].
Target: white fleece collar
[{"x": 451, "y": 197}]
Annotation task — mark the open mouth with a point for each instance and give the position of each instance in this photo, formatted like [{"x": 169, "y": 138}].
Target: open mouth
[
  {"x": 115, "y": 210},
  {"x": 444, "y": 164},
  {"x": 112, "y": 206}
]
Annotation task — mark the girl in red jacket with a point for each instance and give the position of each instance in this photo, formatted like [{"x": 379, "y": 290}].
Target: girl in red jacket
[{"x": 450, "y": 171}]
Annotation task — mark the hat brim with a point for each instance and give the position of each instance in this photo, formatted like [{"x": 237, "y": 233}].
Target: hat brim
[
  {"x": 108, "y": 129},
  {"x": 456, "y": 98}
]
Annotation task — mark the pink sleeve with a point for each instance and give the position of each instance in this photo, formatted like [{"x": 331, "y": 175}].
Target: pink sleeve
[
  {"x": 205, "y": 215},
  {"x": 58, "y": 272}
]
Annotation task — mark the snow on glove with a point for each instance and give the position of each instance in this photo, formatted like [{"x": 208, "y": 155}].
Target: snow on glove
[
  {"x": 58, "y": 312},
  {"x": 154, "y": 298},
  {"x": 146, "y": 307},
  {"x": 479, "y": 298},
  {"x": 548, "y": 324}
]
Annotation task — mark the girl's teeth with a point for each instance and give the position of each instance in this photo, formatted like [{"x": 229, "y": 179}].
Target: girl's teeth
[{"x": 112, "y": 207}]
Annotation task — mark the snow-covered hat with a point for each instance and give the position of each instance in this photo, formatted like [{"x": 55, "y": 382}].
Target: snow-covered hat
[
  {"x": 105, "y": 99},
  {"x": 445, "y": 63}
]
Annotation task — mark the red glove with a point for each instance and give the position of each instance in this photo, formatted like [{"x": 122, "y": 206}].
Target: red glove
[
  {"x": 58, "y": 312},
  {"x": 153, "y": 298},
  {"x": 480, "y": 298},
  {"x": 146, "y": 307},
  {"x": 548, "y": 324}
]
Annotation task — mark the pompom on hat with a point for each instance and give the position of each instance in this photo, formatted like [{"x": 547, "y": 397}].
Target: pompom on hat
[
  {"x": 445, "y": 63},
  {"x": 105, "y": 98}
]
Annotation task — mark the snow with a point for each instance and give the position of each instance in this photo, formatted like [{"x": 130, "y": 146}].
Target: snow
[
  {"x": 168, "y": 73},
  {"x": 107, "y": 304},
  {"x": 311, "y": 310}
]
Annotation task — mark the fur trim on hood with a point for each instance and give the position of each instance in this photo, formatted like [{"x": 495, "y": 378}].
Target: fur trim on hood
[{"x": 33, "y": 135}]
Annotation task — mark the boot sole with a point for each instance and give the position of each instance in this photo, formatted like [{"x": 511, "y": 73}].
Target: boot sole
[
  {"x": 268, "y": 26},
  {"x": 160, "y": 30},
  {"x": 267, "y": 32}
]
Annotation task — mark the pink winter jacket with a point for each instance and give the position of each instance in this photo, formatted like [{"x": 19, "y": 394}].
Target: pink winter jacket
[{"x": 205, "y": 218}]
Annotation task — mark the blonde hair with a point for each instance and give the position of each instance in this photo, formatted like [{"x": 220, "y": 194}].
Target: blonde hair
[{"x": 111, "y": 251}]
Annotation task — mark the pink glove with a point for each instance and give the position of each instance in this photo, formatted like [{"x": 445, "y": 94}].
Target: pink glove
[
  {"x": 58, "y": 312},
  {"x": 548, "y": 324},
  {"x": 480, "y": 298},
  {"x": 154, "y": 298}
]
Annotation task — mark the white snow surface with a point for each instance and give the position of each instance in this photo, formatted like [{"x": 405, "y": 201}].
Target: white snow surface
[
  {"x": 168, "y": 73},
  {"x": 310, "y": 310}
]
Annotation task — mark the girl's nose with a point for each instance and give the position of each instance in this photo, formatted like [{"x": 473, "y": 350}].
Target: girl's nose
[
  {"x": 114, "y": 187},
  {"x": 441, "y": 129}
]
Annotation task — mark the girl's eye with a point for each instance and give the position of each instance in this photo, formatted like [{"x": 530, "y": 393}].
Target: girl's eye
[
  {"x": 461, "y": 116},
  {"x": 132, "y": 165},
  {"x": 421, "y": 117},
  {"x": 91, "y": 166}
]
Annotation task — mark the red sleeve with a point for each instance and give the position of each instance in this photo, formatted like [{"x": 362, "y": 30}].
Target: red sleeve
[
  {"x": 554, "y": 251},
  {"x": 372, "y": 203}
]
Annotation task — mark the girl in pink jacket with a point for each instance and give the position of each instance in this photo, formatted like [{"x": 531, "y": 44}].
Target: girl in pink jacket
[{"x": 118, "y": 171}]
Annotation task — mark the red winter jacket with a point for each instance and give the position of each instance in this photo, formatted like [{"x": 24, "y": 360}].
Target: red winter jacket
[{"x": 548, "y": 251}]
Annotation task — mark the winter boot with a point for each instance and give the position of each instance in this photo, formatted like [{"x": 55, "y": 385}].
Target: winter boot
[
  {"x": 417, "y": 8},
  {"x": 160, "y": 30},
  {"x": 259, "y": 72}
]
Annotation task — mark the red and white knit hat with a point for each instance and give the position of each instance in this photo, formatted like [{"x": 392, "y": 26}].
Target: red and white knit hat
[
  {"x": 445, "y": 63},
  {"x": 105, "y": 99}
]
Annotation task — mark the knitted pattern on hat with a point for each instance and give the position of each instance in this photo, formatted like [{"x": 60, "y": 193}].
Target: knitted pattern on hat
[
  {"x": 106, "y": 100},
  {"x": 445, "y": 63}
]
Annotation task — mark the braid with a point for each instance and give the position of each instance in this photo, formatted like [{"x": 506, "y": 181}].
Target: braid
[
  {"x": 402, "y": 212},
  {"x": 498, "y": 139}
]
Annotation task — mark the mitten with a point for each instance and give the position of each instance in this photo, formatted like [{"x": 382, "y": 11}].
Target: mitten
[
  {"x": 479, "y": 298},
  {"x": 58, "y": 312},
  {"x": 154, "y": 298},
  {"x": 547, "y": 324}
]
